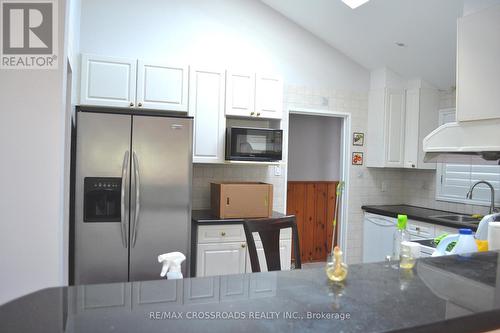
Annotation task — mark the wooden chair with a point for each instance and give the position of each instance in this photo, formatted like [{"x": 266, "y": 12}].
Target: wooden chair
[{"x": 269, "y": 232}]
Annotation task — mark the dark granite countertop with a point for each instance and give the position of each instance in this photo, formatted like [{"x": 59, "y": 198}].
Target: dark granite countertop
[
  {"x": 417, "y": 213},
  {"x": 205, "y": 216},
  {"x": 442, "y": 294}
]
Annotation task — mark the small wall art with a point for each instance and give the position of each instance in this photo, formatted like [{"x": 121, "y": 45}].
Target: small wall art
[
  {"x": 357, "y": 158},
  {"x": 358, "y": 139}
]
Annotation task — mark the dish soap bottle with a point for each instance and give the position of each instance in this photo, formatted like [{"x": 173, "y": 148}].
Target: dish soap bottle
[
  {"x": 400, "y": 236},
  {"x": 336, "y": 269}
]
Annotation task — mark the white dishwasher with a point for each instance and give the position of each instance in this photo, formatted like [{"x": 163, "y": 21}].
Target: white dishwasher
[{"x": 378, "y": 237}]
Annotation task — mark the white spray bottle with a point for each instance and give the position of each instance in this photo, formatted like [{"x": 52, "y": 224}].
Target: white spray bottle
[{"x": 171, "y": 265}]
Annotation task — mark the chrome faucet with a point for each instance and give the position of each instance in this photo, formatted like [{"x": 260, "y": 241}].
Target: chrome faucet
[{"x": 492, "y": 206}]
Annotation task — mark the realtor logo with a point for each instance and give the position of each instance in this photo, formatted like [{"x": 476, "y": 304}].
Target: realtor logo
[{"x": 29, "y": 34}]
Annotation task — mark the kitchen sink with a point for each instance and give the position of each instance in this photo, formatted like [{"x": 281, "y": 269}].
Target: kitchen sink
[{"x": 456, "y": 218}]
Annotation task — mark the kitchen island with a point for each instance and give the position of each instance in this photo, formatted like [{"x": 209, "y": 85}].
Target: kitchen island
[{"x": 442, "y": 294}]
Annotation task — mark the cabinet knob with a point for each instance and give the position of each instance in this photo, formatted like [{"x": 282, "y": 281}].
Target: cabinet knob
[
  {"x": 223, "y": 233},
  {"x": 131, "y": 104},
  {"x": 140, "y": 104},
  {"x": 252, "y": 113},
  {"x": 417, "y": 228},
  {"x": 258, "y": 114},
  {"x": 413, "y": 165},
  {"x": 243, "y": 245}
]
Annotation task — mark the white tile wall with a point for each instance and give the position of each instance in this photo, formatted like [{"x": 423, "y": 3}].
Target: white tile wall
[
  {"x": 204, "y": 174},
  {"x": 366, "y": 184}
]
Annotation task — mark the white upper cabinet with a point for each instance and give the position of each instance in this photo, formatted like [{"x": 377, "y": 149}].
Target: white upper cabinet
[
  {"x": 240, "y": 94},
  {"x": 162, "y": 86},
  {"x": 478, "y": 65},
  {"x": 421, "y": 119},
  {"x": 108, "y": 81},
  {"x": 386, "y": 128},
  {"x": 118, "y": 82},
  {"x": 254, "y": 95},
  {"x": 395, "y": 127},
  {"x": 268, "y": 97},
  {"x": 206, "y": 105},
  {"x": 400, "y": 115}
]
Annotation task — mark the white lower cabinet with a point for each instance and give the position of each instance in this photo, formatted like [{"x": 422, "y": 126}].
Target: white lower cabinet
[
  {"x": 285, "y": 256},
  {"x": 220, "y": 259},
  {"x": 222, "y": 250},
  {"x": 423, "y": 230}
]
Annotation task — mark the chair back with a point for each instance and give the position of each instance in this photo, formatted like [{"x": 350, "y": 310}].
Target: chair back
[{"x": 269, "y": 232}]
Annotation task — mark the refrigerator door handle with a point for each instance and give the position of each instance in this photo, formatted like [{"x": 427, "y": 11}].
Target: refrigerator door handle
[
  {"x": 123, "y": 211},
  {"x": 137, "y": 181}
]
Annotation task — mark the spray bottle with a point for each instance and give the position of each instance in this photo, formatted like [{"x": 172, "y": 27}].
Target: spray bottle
[{"x": 171, "y": 265}]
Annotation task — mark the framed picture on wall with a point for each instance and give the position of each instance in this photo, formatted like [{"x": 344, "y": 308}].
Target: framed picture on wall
[
  {"x": 357, "y": 158},
  {"x": 358, "y": 139}
]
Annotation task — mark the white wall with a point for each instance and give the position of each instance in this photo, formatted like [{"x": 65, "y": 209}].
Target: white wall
[
  {"x": 229, "y": 33},
  {"x": 314, "y": 148},
  {"x": 31, "y": 173},
  {"x": 472, "y": 6}
]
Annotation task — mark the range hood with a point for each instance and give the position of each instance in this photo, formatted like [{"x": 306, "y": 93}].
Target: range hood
[
  {"x": 475, "y": 137},
  {"x": 475, "y": 142}
]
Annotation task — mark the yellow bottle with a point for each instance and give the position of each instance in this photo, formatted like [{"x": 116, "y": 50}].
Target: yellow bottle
[{"x": 336, "y": 269}]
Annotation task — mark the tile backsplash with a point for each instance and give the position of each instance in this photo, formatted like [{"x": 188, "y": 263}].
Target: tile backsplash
[{"x": 204, "y": 174}]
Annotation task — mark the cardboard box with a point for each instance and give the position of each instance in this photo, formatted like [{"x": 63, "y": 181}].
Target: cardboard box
[{"x": 241, "y": 199}]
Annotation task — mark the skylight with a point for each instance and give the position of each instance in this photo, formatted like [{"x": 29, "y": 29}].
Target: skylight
[{"x": 355, "y": 3}]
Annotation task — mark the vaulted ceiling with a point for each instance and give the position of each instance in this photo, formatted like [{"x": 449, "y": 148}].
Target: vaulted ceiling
[{"x": 368, "y": 33}]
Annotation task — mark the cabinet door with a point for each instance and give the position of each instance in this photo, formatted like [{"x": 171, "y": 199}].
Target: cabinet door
[
  {"x": 206, "y": 105},
  {"x": 285, "y": 256},
  {"x": 108, "y": 81},
  {"x": 478, "y": 68},
  {"x": 162, "y": 86},
  {"x": 268, "y": 97},
  {"x": 240, "y": 94},
  {"x": 420, "y": 230},
  {"x": 220, "y": 259},
  {"x": 412, "y": 128},
  {"x": 395, "y": 127}
]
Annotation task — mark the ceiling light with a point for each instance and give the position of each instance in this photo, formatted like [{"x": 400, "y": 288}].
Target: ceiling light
[{"x": 354, "y": 3}]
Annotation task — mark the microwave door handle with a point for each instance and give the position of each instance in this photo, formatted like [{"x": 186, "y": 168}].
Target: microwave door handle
[
  {"x": 123, "y": 211},
  {"x": 137, "y": 181}
]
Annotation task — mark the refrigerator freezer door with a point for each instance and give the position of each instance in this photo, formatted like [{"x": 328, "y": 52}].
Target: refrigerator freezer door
[
  {"x": 160, "y": 192},
  {"x": 103, "y": 152}
]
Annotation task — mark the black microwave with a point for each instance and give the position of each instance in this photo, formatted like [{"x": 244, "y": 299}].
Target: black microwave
[{"x": 254, "y": 144}]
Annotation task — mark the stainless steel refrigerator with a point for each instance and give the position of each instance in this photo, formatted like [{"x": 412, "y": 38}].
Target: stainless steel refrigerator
[{"x": 132, "y": 194}]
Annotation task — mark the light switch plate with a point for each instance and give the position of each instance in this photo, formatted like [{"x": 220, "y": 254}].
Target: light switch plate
[{"x": 277, "y": 170}]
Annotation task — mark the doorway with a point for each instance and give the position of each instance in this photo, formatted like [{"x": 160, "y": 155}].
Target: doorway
[{"x": 317, "y": 161}]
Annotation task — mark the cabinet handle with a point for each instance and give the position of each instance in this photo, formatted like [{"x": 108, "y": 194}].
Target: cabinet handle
[
  {"x": 413, "y": 165},
  {"x": 243, "y": 245},
  {"x": 252, "y": 113},
  {"x": 131, "y": 104},
  {"x": 223, "y": 233},
  {"x": 139, "y": 105},
  {"x": 258, "y": 114}
]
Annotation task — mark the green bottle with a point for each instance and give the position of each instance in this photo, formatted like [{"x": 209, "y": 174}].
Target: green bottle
[{"x": 400, "y": 235}]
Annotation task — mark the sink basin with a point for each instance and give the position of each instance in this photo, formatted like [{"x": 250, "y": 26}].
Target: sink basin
[{"x": 457, "y": 218}]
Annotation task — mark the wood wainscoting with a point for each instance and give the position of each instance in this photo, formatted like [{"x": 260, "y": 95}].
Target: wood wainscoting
[{"x": 313, "y": 203}]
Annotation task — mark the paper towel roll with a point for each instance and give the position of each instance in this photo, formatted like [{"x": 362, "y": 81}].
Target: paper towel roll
[{"x": 494, "y": 236}]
